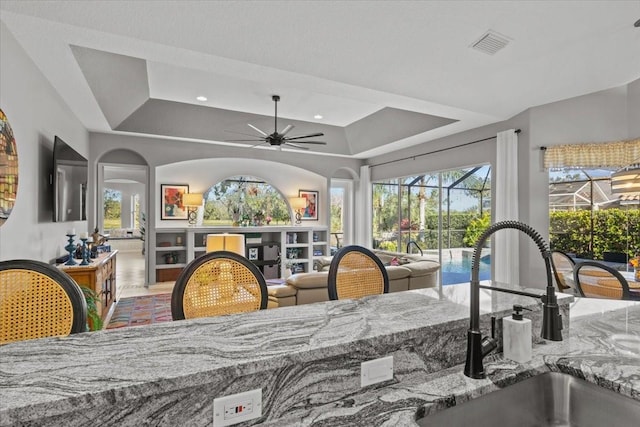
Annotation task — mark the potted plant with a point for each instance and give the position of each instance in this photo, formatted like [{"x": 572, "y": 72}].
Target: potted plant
[{"x": 94, "y": 321}]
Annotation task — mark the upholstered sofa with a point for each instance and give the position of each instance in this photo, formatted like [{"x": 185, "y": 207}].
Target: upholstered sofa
[{"x": 413, "y": 272}]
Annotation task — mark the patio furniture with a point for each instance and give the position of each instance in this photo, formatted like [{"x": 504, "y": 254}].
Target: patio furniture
[
  {"x": 595, "y": 280},
  {"x": 38, "y": 300},
  {"x": 218, "y": 283},
  {"x": 618, "y": 257},
  {"x": 356, "y": 272},
  {"x": 561, "y": 263}
]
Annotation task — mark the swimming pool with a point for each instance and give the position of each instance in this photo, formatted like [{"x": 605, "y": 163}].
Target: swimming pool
[{"x": 459, "y": 270}]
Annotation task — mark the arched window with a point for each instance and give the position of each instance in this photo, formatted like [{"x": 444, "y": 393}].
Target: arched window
[{"x": 245, "y": 200}]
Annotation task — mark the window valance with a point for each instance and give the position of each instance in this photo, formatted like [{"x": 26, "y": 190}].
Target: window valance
[{"x": 615, "y": 154}]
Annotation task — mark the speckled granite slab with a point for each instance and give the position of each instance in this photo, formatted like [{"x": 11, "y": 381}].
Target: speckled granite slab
[{"x": 306, "y": 359}]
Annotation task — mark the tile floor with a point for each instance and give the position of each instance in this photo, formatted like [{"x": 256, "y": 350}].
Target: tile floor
[{"x": 130, "y": 277}]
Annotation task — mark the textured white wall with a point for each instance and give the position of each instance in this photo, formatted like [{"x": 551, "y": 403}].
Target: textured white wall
[
  {"x": 36, "y": 114},
  {"x": 202, "y": 174}
]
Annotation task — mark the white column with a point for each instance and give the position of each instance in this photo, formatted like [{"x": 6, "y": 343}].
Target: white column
[
  {"x": 363, "y": 215},
  {"x": 505, "y": 258}
]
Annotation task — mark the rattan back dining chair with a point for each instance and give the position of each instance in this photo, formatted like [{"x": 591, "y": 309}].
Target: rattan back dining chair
[
  {"x": 356, "y": 272},
  {"x": 562, "y": 264},
  {"x": 38, "y": 300},
  {"x": 595, "y": 280},
  {"x": 218, "y": 283}
]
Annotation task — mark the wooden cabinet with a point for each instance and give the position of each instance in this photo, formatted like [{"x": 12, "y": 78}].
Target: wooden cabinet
[{"x": 100, "y": 276}]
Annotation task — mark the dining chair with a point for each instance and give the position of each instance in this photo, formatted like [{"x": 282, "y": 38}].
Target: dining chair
[
  {"x": 38, "y": 300},
  {"x": 356, "y": 272},
  {"x": 562, "y": 264},
  {"x": 218, "y": 283},
  {"x": 595, "y": 280}
]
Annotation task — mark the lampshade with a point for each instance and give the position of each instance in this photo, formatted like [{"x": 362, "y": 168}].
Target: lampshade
[
  {"x": 298, "y": 203},
  {"x": 192, "y": 199},
  {"x": 626, "y": 181},
  {"x": 226, "y": 242}
]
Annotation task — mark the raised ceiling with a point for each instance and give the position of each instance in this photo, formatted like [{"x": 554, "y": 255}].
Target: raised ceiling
[{"x": 383, "y": 74}]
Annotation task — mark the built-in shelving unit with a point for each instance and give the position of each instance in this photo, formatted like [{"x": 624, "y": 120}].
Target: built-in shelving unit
[
  {"x": 170, "y": 254},
  {"x": 272, "y": 249}
]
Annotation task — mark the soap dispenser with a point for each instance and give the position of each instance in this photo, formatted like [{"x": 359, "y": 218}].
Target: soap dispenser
[{"x": 516, "y": 336}]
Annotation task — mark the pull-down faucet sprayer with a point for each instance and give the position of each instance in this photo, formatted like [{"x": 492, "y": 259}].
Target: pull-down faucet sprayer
[{"x": 477, "y": 346}]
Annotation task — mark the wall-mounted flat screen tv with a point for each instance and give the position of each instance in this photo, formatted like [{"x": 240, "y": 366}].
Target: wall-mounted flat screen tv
[{"x": 70, "y": 175}]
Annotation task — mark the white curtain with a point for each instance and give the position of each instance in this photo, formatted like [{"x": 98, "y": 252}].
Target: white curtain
[
  {"x": 505, "y": 258},
  {"x": 363, "y": 212}
]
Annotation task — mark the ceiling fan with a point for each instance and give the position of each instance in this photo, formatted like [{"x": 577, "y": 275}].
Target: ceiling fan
[{"x": 276, "y": 138}]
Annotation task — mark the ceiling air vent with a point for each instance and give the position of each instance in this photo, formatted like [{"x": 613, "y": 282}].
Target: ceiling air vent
[{"x": 491, "y": 42}]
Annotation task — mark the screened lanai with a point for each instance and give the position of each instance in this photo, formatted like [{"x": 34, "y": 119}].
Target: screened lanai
[
  {"x": 574, "y": 189},
  {"x": 587, "y": 219},
  {"x": 439, "y": 213}
]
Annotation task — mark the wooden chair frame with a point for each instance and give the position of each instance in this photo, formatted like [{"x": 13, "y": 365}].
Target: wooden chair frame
[
  {"x": 335, "y": 263},
  {"x": 177, "y": 296},
  {"x": 60, "y": 278},
  {"x": 626, "y": 295}
]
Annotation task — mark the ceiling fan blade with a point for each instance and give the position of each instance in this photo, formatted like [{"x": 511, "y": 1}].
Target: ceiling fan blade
[
  {"x": 290, "y": 144},
  {"x": 241, "y": 133},
  {"x": 311, "y": 135},
  {"x": 257, "y": 145},
  {"x": 287, "y": 129},
  {"x": 311, "y": 142},
  {"x": 243, "y": 140},
  {"x": 256, "y": 129}
]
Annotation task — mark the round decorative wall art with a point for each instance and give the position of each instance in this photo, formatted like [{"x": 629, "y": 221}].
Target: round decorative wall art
[{"x": 8, "y": 169}]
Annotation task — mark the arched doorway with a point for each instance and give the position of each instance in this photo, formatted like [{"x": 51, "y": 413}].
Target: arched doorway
[{"x": 122, "y": 198}]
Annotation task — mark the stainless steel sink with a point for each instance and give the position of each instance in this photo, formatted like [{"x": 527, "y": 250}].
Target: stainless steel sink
[{"x": 549, "y": 399}]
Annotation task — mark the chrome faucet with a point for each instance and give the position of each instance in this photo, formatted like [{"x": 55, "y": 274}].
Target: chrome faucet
[{"x": 477, "y": 346}]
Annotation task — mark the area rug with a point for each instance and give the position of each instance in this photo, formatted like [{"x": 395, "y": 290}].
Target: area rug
[{"x": 141, "y": 310}]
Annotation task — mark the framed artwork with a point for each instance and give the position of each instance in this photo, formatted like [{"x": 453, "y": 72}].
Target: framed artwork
[
  {"x": 8, "y": 169},
  {"x": 171, "y": 203},
  {"x": 253, "y": 254},
  {"x": 310, "y": 213}
]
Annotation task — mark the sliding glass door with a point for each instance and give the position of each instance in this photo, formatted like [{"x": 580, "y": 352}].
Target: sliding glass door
[{"x": 437, "y": 214}]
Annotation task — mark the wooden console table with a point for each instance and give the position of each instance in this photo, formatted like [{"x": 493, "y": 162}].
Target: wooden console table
[{"x": 100, "y": 276}]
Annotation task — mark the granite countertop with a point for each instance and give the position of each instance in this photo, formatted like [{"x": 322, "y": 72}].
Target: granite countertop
[
  {"x": 306, "y": 359},
  {"x": 602, "y": 348}
]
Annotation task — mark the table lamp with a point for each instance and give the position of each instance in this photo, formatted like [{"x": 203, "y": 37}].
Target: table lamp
[
  {"x": 226, "y": 242},
  {"x": 298, "y": 204},
  {"x": 192, "y": 201}
]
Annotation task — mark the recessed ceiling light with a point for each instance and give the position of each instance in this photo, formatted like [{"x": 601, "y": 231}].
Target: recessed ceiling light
[
  {"x": 317, "y": 116},
  {"x": 201, "y": 98}
]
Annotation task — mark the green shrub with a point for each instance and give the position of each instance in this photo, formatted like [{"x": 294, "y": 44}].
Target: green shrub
[
  {"x": 614, "y": 230},
  {"x": 389, "y": 246},
  {"x": 476, "y": 227}
]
